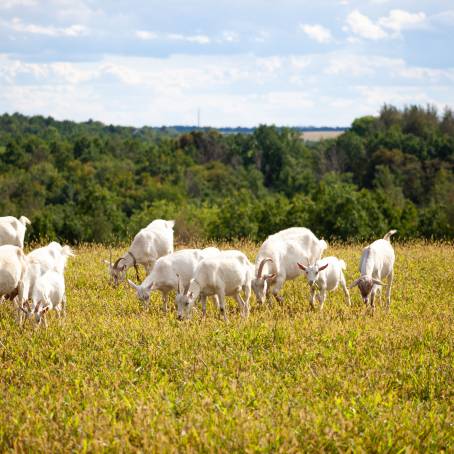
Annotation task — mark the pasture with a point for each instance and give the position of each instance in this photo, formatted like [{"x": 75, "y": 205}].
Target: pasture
[{"x": 112, "y": 376}]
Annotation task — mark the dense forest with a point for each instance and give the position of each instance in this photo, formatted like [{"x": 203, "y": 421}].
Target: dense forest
[{"x": 87, "y": 181}]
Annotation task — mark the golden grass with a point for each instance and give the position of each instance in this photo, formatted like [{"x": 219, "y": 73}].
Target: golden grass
[
  {"x": 114, "y": 377},
  {"x": 316, "y": 136}
]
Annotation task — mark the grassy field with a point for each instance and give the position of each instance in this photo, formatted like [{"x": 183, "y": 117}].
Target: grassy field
[
  {"x": 114, "y": 377},
  {"x": 316, "y": 136}
]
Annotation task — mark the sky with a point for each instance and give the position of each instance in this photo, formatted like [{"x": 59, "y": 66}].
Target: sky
[{"x": 242, "y": 63}]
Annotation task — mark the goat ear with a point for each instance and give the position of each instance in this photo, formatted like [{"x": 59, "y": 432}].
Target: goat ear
[
  {"x": 355, "y": 283},
  {"x": 378, "y": 282},
  {"x": 132, "y": 284},
  {"x": 323, "y": 267},
  {"x": 301, "y": 266}
]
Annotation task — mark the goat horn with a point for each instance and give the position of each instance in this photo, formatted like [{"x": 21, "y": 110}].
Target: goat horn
[
  {"x": 355, "y": 283},
  {"x": 262, "y": 264}
]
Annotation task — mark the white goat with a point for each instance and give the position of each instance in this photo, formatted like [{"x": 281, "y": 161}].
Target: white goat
[
  {"x": 277, "y": 258},
  {"x": 376, "y": 264},
  {"x": 172, "y": 272},
  {"x": 324, "y": 276},
  {"x": 12, "y": 269},
  {"x": 48, "y": 293},
  {"x": 227, "y": 274},
  {"x": 12, "y": 230},
  {"x": 151, "y": 243},
  {"x": 52, "y": 257}
]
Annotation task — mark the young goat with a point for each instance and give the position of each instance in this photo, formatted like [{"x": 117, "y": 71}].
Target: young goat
[
  {"x": 277, "y": 256},
  {"x": 151, "y": 243},
  {"x": 227, "y": 274},
  {"x": 12, "y": 230},
  {"x": 52, "y": 257},
  {"x": 324, "y": 276},
  {"x": 48, "y": 293},
  {"x": 172, "y": 272},
  {"x": 376, "y": 264}
]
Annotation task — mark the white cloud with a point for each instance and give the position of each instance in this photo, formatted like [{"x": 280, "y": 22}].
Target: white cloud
[
  {"x": 8, "y": 4},
  {"x": 199, "y": 39},
  {"x": 317, "y": 33},
  {"x": 386, "y": 26},
  {"x": 145, "y": 35},
  {"x": 398, "y": 20},
  {"x": 75, "y": 30},
  {"x": 361, "y": 25},
  {"x": 326, "y": 88},
  {"x": 230, "y": 36}
]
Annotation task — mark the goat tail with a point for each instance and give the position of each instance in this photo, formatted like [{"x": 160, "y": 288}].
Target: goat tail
[
  {"x": 388, "y": 236},
  {"x": 23, "y": 220},
  {"x": 342, "y": 265}
]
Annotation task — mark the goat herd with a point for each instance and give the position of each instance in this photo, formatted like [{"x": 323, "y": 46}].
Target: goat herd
[{"x": 35, "y": 282}]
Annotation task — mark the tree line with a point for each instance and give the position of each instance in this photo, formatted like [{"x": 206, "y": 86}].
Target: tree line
[{"x": 84, "y": 182}]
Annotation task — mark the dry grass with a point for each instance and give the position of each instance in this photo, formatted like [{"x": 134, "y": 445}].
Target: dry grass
[
  {"x": 316, "y": 136},
  {"x": 113, "y": 377}
]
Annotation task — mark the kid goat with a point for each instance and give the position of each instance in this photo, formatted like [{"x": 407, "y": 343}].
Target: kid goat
[
  {"x": 376, "y": 264},
  {"x": 324, "y": 276}
]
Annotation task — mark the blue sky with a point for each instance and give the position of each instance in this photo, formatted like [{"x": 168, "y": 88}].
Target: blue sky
[{"x": 242, "y": 63}]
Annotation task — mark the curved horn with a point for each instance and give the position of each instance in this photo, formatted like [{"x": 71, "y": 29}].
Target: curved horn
[
  {"x": 262, "y": 264},
  {"x": 355, "y": 283},
  {"x": 115, "y": 265},
  {"x": 133, "y": 285}
]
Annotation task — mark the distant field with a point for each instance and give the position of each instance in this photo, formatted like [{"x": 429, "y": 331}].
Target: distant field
[
  {"x": 315, "y": 136},
  {"x": 113, "y": 377}
]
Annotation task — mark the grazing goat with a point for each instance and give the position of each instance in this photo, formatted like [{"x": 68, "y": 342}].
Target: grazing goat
[
  {"x": 48, "y": 293},
  {"x": 277, "y": 258},
  {"x": 151, "y": 243},
  {"x": 376, "y": 264},
  {"x": 12, "y": 269},
  {"x": 227, "y": 274},
  {"x": 12, "y": 230},
  {"x": 172, "y": 272},
  {"x": 52, "y": 257},
  {"x": 324, "y": 276}
]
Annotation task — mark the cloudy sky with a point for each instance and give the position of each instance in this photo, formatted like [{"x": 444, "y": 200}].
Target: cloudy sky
[{"x": 287, "y": 62}]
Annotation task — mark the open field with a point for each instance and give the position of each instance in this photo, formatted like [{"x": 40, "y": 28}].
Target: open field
[
  {"x": 315, "y": 136},
  {"x": 114, "y": 377}
]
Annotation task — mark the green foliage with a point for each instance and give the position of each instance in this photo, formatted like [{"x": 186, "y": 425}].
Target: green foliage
[{"x": 87, "y": 181}]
